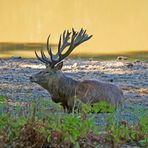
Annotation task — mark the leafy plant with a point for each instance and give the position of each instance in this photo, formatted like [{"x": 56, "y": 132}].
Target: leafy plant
[
  {"x": 103, "y": 107},
  {"x": 44, "y": 123}
]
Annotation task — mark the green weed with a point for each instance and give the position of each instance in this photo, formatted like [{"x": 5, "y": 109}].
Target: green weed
[{"x": 45, "y": 124}]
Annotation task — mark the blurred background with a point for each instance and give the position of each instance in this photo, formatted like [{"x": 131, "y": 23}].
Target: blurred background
[{"x": 119, "y": 27}]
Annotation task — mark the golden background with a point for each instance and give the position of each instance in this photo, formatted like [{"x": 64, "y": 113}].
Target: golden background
[{"x": 117, "y": 25}]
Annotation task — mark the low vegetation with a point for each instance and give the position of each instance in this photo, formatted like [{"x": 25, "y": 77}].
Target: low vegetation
[{"x": 45, "y": 124}]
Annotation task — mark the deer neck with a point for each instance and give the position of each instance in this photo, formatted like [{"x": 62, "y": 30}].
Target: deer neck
[{"x": 62, "y": 85}]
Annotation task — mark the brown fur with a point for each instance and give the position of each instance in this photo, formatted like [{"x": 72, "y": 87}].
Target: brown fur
[{"x": 65, "y": 90}]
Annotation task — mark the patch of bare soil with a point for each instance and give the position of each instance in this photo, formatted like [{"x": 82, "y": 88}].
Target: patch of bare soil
[{"x": 132, "y": 78}]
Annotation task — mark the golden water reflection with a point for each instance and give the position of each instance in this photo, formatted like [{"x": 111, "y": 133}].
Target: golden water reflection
[{"x": 26, "y": 50}]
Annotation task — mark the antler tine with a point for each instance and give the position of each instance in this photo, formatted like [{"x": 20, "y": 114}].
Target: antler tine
[
  {"x": 82, "y": 37},
  {"x": 59, "y": 45},
  {"x": 66, "y": 36},
  {"x": 81, "y": 32},
  {"x": 74, "y": 34},
  {"x": 50, "y": 53},
  {"x": 44, "y": 56},
  {"x": 48, "y": 41},
  {"x": 49, "y": 48},
  {"x": 39, "y": 58}
]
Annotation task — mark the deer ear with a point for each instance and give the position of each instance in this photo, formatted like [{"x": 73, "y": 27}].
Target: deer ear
[{"x": 59, "y": 66}]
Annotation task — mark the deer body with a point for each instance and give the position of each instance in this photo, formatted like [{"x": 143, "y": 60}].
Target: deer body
[{"x": 64, "y": 89}]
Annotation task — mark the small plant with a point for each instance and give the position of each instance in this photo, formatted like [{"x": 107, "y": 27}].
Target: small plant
[
  {"x": 103, "y": 107},
  {"x": 2, "y": 99}
]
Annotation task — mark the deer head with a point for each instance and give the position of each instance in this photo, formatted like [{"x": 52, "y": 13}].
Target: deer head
[{"x": 54, "y": 62}]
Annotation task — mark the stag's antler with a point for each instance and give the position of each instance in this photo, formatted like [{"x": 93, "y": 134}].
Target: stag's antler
[{"x": 76, "y": 39}]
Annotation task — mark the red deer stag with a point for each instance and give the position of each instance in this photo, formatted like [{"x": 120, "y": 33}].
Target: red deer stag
[{"x": 64, "y": 89}]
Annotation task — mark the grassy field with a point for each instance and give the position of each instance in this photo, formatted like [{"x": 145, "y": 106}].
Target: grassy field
[{"x": 26, "y": 50}]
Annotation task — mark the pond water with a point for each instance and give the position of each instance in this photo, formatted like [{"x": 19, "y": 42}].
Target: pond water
[{"x": 26, "y": 50}]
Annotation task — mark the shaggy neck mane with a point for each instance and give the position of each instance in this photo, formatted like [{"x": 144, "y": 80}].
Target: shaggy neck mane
[
  {"x": 68, "y": 84},
  {"x": 63, "y": 85}
]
